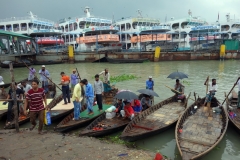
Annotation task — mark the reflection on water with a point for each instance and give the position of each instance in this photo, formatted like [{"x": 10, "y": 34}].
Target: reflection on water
[{"x": 226, "y": 73}]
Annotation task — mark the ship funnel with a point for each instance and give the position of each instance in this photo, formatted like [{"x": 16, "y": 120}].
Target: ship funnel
[{"x": 87, "y": 11}]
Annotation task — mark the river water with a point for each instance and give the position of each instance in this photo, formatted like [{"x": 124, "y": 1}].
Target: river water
[{"x": 226, "y": 73}]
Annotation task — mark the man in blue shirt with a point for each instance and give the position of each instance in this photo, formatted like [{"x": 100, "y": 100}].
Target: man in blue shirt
[
  {"x": 89, "y": 94},
  {"x": 149, "y": 83}
]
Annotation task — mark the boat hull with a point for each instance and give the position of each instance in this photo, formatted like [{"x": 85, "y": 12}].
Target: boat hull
[{"x": 111, "y": 60}]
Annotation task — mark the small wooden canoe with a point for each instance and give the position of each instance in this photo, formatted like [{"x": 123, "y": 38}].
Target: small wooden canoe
[
  {"x": 154, "y": 120},
  {"x": 102, "y": 126},
  {"x": 198, "y": 132},
  {"x": 3, "y": 95},
  {"x": 68, "y": 123},
  {"x": 51, "y": 101},
  {"x": 231, "y": 105}
]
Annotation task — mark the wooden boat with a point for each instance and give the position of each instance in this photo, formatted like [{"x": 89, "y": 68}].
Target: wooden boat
[
  {"x": 3, "y": 95},
  {"x": 68, "y": 123},
  {"x": 15, "y": 64},
  {"x": 199, "y": 131},
  {"x": 111, "y": 60},
  {"x": 6, "y": 85},
  {"x": 51, "y": 101},
  {"x": 46, "y": 62},
  {"x": 154, "y": 120},
  {"x": 233, "y": 112},
  {"x": 102, "y": 126}
]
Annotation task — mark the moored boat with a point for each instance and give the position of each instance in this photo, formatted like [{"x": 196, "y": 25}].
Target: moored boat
[
  {"x": 3, "y": 95},
  {"x": 15, "y": 64},
  {"x": 69, "y": 124},
  {"x": 103, "y": 126},
  {"x": 199, "y": 130},
  {"x": 111, "y": 60},
  {"x": 51, "y": 101},
  {"x": 234, "y": 113},
  {"x": 154, "y": 120}
]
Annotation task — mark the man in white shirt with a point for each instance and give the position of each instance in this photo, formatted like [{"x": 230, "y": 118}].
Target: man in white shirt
[
  {"x": 1, "y": 80},
  {"x": 106, "y": 80},
  {"x": 98, "y": 89},
  {"x": 238, "y": 83},
  {"x": 26, "y": 87},
  {"x": 212, "y": 88}
]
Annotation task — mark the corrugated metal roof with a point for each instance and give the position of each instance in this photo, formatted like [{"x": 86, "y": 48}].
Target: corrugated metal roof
[{"x": 13, "y": 34}]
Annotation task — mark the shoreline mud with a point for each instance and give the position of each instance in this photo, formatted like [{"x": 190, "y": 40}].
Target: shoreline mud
[{"x": 52, "y": 145}]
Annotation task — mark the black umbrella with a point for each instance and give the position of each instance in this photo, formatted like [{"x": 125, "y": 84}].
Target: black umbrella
[
  {"x": 148, "y": 92},
  {"x": 177, "y": 75},
  {"x": 126, "y": 95}
]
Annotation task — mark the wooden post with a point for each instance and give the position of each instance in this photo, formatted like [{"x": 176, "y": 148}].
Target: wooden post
[{"x": 14, "y": 98}]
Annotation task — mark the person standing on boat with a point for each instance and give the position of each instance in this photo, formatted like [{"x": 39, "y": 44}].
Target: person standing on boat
[
  {"x": 180, "y": 88},
  {"x": 44, "y": 73},
  {"x": 65, "y": 80},
  {"x": 31, "y": 74},
  {"x": 106, "y": 80},
  {"x": 98, "y": 88},
  {"x": 35, "y": 99},
  {"x": 89, "y": 94},
  {"x": 77, "y": 97},
  {"x": 26, "y": 87},
  {"x": 1, "y": 80},
  {"x": 238, "y": 83},
  {"x": 212, "y": 89},
  {"x": 74, "y": 79},
  {"x": 19, "y": 95},
  {"x": 149, "y": 83}
]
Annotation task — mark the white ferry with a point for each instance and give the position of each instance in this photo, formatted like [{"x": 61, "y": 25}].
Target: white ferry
[
  {"x": 89, "y": 33},
  {"x": 46, "y": 32},
  {"x": 142, "y": 34},
  {"x": 193, "y": 33}
]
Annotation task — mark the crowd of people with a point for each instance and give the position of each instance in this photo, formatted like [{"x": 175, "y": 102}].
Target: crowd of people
[{"x": 35, "y": 96}]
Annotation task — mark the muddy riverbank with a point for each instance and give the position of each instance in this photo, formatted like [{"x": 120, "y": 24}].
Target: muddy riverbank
[{"x": 31, "y": 146}]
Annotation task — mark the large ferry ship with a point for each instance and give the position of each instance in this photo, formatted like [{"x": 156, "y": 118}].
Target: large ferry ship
[
  {"x": 46, "y": 32},
  {"x": 89, "y": 33},
  {"x": 142, "y": 34}
]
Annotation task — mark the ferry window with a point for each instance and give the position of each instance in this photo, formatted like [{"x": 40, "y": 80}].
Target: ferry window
[
  {"x": 88, "y": 24},
  {"x": 30, "y": 25},
  {"x": 9, "y": 27},
  {"x": 15, "y": 27},
  {"x": 23, "y": 26},
  {"x": 2, "y": 28},
  {"x": 82, "y": 25},
  {"x": 128, "y": 25},
  {"x": 93, "y": 24},
  {"x": 66, "y": 28},
  {"x": 35, "y": 25},
  {"x": 144, "y": 24},
  {"x": 134, "y": 24},
  {"x": 75, "y": 26},
  {"x": 43, "y": 26}
]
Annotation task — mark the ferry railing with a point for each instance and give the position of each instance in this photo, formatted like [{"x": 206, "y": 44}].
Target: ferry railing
[{"x": 25, "y": 18}]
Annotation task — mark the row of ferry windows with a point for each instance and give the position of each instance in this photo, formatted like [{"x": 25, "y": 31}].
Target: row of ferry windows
[
  {"x": 82, "y": 25},
  {"x": 24, "y": 27}
]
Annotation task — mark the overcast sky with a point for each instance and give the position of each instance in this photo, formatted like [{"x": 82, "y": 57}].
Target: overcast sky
[{"x": 58, "y": 9}]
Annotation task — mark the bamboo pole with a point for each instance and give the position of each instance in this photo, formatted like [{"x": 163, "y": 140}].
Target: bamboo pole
[
  {"x": 231, "y": 90},
  {"x": 30, "y": 70},
  {"x": 78, "y": 74},
  {"x": 177, "y": 91},
  {"x": 14, "y": 98},
  {"x": 52, "y": 81}
]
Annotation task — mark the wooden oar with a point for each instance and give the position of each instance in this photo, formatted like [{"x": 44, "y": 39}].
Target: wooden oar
[
  {"x": 51, "y": 81},
  {"x": 176, "y": 91},
  {"x": 206, "y": 83},
  {"x": 231, "y": 90},
  {"x": 30, "y": 70},
  {"x": 78, "y": 74}
]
